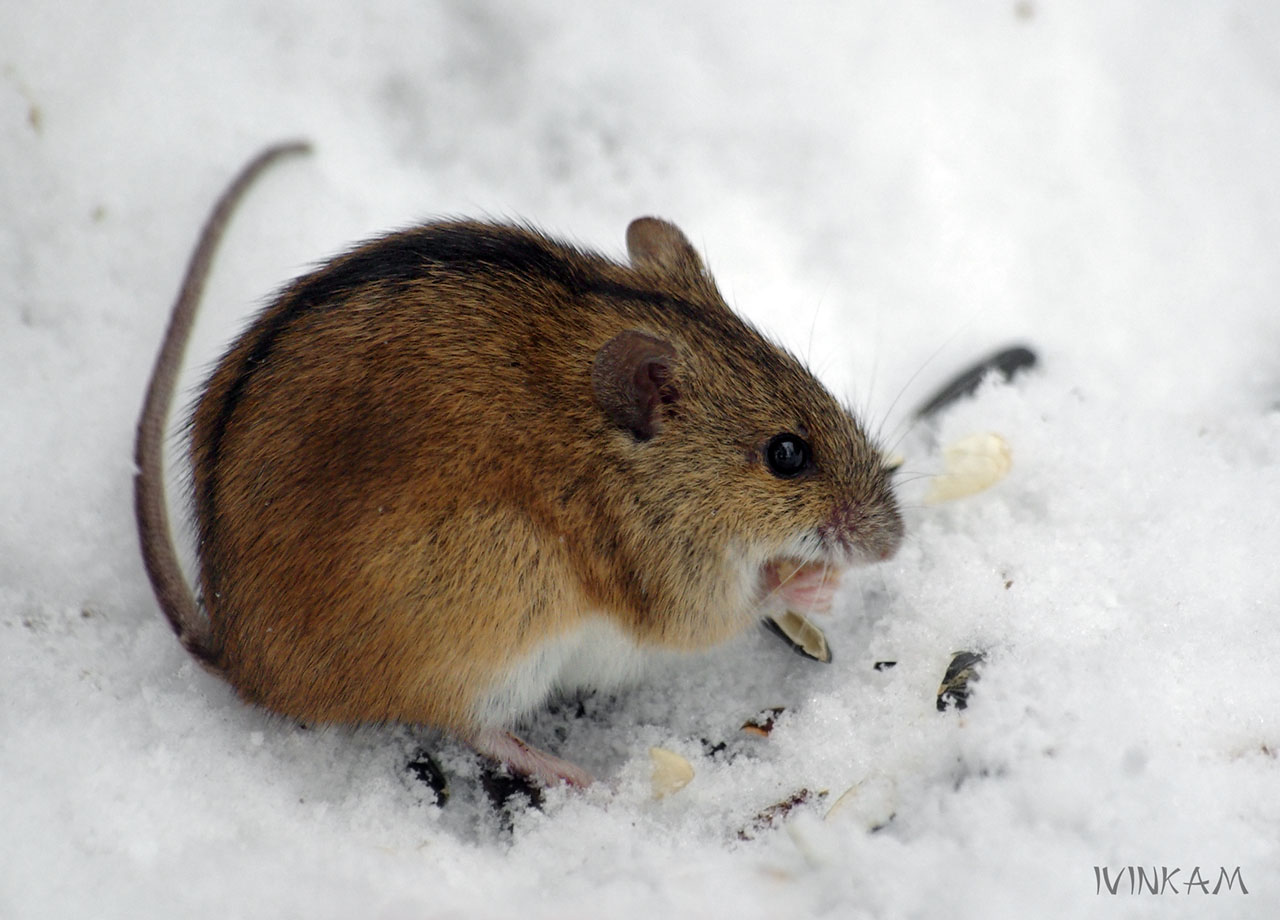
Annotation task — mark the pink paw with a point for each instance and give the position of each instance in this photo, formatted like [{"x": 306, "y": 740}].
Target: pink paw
[
  {"x": 525, "y": 760},
  {"x": 808, "y": 588}
]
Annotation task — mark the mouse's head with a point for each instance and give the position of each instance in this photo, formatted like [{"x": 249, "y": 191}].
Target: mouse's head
[{"x": 745, "y": 468}]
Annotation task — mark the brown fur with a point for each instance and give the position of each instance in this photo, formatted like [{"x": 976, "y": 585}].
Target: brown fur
[{"x": 409, "y": 473}]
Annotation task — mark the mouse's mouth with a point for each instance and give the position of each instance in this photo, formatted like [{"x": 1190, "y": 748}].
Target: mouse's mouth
[{"x": 805, "y": 587}]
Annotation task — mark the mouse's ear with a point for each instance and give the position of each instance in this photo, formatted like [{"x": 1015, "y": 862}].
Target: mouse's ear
[
  {"x": 633, "y": 377},
  {"x": 661, "y": 244}
]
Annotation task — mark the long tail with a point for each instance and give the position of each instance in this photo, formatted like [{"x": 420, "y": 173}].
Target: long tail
[{"x": 159, "y": 554}]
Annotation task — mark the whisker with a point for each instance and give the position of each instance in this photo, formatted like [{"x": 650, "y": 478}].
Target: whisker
[
  {"x": 914, "y": 506},
  {"x": 911, "y": 476},
  {"x": 813, "y": 325},
  {"x": 877, "y": 339},
  {"x": 822, "y": 580},
  {"x": 913, "y": 419}
]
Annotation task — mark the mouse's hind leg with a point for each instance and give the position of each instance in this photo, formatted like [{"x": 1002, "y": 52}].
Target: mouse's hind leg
[{"x": 526, "y": 760}]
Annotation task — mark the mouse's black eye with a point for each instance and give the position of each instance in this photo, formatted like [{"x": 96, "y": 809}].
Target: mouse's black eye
[{"x": 787, "y": 455}]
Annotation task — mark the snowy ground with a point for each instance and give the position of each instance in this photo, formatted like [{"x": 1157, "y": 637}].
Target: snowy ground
[{"x": 892, "y": 189}]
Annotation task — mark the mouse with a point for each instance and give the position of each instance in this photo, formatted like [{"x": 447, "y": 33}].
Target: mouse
[{"x": 464, "y": 467}]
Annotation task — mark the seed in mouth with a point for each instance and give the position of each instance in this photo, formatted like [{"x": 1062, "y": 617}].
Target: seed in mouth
[{"x": 803, "y": 637}]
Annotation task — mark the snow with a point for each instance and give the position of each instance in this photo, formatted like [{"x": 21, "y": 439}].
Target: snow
[{"x": 891, "y": 189}]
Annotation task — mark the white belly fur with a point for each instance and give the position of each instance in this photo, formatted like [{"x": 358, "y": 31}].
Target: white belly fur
[{"x": 597, "y": 655}]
